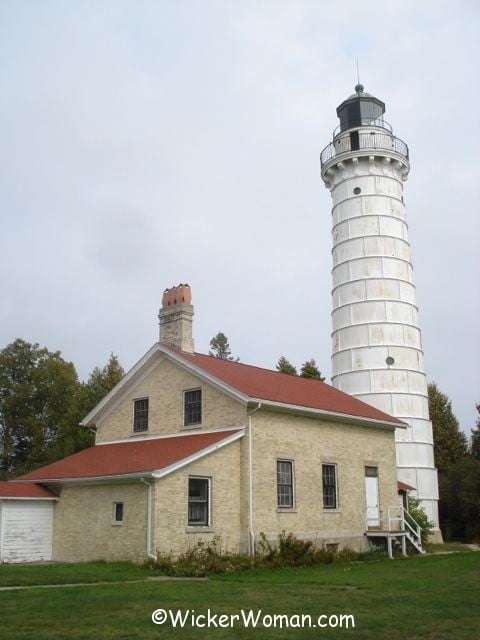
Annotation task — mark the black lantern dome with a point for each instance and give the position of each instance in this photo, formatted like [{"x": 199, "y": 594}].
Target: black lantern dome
[{"x": 361, "y": 109}]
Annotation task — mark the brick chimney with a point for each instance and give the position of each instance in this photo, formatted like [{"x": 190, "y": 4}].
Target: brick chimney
[{"x": 176, "y": 318}]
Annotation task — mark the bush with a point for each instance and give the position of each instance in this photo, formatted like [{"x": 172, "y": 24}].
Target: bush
[
  {"x": 203, "y": 559},
  {"x": 207, "y": 558},
  {"x": 418, "y": 514}
]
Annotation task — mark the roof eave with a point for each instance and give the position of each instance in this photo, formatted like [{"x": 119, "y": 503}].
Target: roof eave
[
  {"x": 330, "y": 415},
  {"x": 28, "y": 498},
  {"x": 89, "y": 419},
  {"x": 208, "y": 377},
  {"x": 102, "y": 408}
]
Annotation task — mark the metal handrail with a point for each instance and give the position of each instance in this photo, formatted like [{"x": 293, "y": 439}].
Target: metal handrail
[
  {"x": 366, "y": 140},
  {"x": 416, "y": 530},
  {"x": 364, "y": 122}
]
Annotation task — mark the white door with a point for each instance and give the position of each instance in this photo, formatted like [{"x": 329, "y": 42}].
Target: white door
[
  {"x": 27, "y": 530},
  {"x": 371, "y": 493}
]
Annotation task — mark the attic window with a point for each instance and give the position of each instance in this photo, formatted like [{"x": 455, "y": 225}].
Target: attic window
[
  {"x": 192, "y": 410},
  {"x": 140, "y": 415}
]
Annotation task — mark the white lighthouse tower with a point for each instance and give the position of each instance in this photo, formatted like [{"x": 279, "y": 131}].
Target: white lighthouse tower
[{"x": 377, "y": 348}]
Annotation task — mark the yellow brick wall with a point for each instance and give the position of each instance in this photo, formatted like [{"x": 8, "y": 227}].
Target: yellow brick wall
[
  {"x": 83, "y": 517},
  {"x": 83, "y": 528},
  {"x": 171, "y": 530},
  {"x": 309, "y": 443},
  {"x": 164, "y": 388}
]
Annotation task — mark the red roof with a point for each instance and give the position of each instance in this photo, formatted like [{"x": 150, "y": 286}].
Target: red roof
[
  {"x": 21, "y": 490},
  {"x": 128, "y": 457},
  {"x": 266, "y": 384},
  {"x": 403, "y": 486}
]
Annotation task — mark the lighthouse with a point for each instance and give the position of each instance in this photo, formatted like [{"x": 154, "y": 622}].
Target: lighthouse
[{"x": 377, "y": 353}]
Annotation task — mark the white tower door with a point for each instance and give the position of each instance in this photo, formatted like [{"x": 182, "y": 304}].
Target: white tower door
[{"x": 371, "y": 493}]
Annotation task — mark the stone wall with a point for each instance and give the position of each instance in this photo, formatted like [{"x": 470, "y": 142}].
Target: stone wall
[
  {"x": 309, "y": 443},
  {"x": 164, "y": 388},
  {"x": 171, "y": 530},
  {"x": 84, "y": 528}
]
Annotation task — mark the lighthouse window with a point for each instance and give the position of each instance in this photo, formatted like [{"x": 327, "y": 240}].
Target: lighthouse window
[
  {"x": 357, "y": 190},
  {"x": 390, "y": 360}
]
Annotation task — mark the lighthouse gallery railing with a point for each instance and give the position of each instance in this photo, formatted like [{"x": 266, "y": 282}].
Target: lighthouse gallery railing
[{"x": 365, "y": 140}]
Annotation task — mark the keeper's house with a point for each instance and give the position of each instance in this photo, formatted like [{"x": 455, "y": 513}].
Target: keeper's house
[{"x": 190, "y": 447}]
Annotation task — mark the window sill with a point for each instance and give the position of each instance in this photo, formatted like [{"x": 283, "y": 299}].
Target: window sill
[
  {"x": 286, "y": 510},
  {"x": 132, "y": 434},
  {"x": 332, "y": 511},
  {"x": 117, "y": 524},
  {"x": 186, "y": 427},
  {"x": 199, "y": 529}
]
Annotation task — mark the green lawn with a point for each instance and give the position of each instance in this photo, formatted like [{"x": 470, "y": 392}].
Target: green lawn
[{"x": 433, "y": 597}]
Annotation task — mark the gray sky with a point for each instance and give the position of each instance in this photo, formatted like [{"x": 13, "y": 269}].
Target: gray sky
[{"x": 143, "y": 144}]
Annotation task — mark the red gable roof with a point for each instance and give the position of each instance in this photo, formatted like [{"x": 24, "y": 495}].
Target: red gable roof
[
  {"x": 121, "y": 458},
  {"x": 266, "y": 384},
  {"x": 21, "y": 490}
]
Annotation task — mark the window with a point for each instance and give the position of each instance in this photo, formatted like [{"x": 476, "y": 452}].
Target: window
[
  {"x": 329, "y": 481},
  {"x": 140, "y": 415},
  {"x": 285, "y": 484},
  {"x": 117, "y": 512},
  {"x": 198, "y": 502},
  {"x": 192, "y": 413}
]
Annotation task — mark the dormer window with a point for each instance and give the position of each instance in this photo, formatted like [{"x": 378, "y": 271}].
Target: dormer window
[
  {"x": 192, "y": 407},
  {"x": 140, "y": 415}
]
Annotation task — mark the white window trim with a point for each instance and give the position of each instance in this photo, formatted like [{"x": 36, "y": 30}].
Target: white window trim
[
  {"x": 294, "y": 504},
  {"x": 335, "y": 509},
  {"x": 137, "y": 433},
  {"x": 197, "y": 425},
  {"x": 115, "y": 522},
  {"x": 203, "y": 527}
]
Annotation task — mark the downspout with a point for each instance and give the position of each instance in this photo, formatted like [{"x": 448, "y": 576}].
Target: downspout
[
  {"x": 251, "y": 534},
  {"x": 151, "y": 555}
]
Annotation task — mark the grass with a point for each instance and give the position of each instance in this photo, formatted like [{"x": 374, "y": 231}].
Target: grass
[
  {"x": 83, "y": 572},
  {"x": 444, "y": 547},
  {"x": 430, "y": 597}
]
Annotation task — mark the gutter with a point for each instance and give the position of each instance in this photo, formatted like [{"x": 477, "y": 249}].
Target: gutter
[
  {"x": 150, "y": 554},
  {"x": 251, "y": 534},
  {"x": 334, "y": 416}
]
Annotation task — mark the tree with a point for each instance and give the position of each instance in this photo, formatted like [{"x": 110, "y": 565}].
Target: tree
[
  {"x": 38, "y": 390},
  {"x": 284, "y": 366},
  {"x": 459, "y": 505},
  {"x": 310, "y": 370},
  {"x": 449, "y": 443},
  {"x": 101, "y": 382},
  {"x": 221, "y": 348},
  {"x": 475, "y": 441},
  {"x": 74, "y": 437}
]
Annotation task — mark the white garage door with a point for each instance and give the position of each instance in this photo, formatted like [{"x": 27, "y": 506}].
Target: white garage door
[{"x": 26, "y": 530}]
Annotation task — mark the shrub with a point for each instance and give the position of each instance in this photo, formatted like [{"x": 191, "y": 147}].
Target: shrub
[
  {"x": 207, "y": 558},
  {"x": 417, "y": 512}
]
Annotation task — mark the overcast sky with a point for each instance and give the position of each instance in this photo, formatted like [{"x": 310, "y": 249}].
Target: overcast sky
[{"x": 144, "y": 144}]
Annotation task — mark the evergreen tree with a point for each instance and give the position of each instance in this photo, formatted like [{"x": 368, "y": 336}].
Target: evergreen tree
[
  {"x": 310, "y": 370},
  {"x": 449, "y": 443},
  {"x": 284, "y": 366},
  {"x": 221, "y": 348},
  {"x": 475, "y": 441},
  {"x": 459, "y": 505},
  {"x": 101, "y": 382}
]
